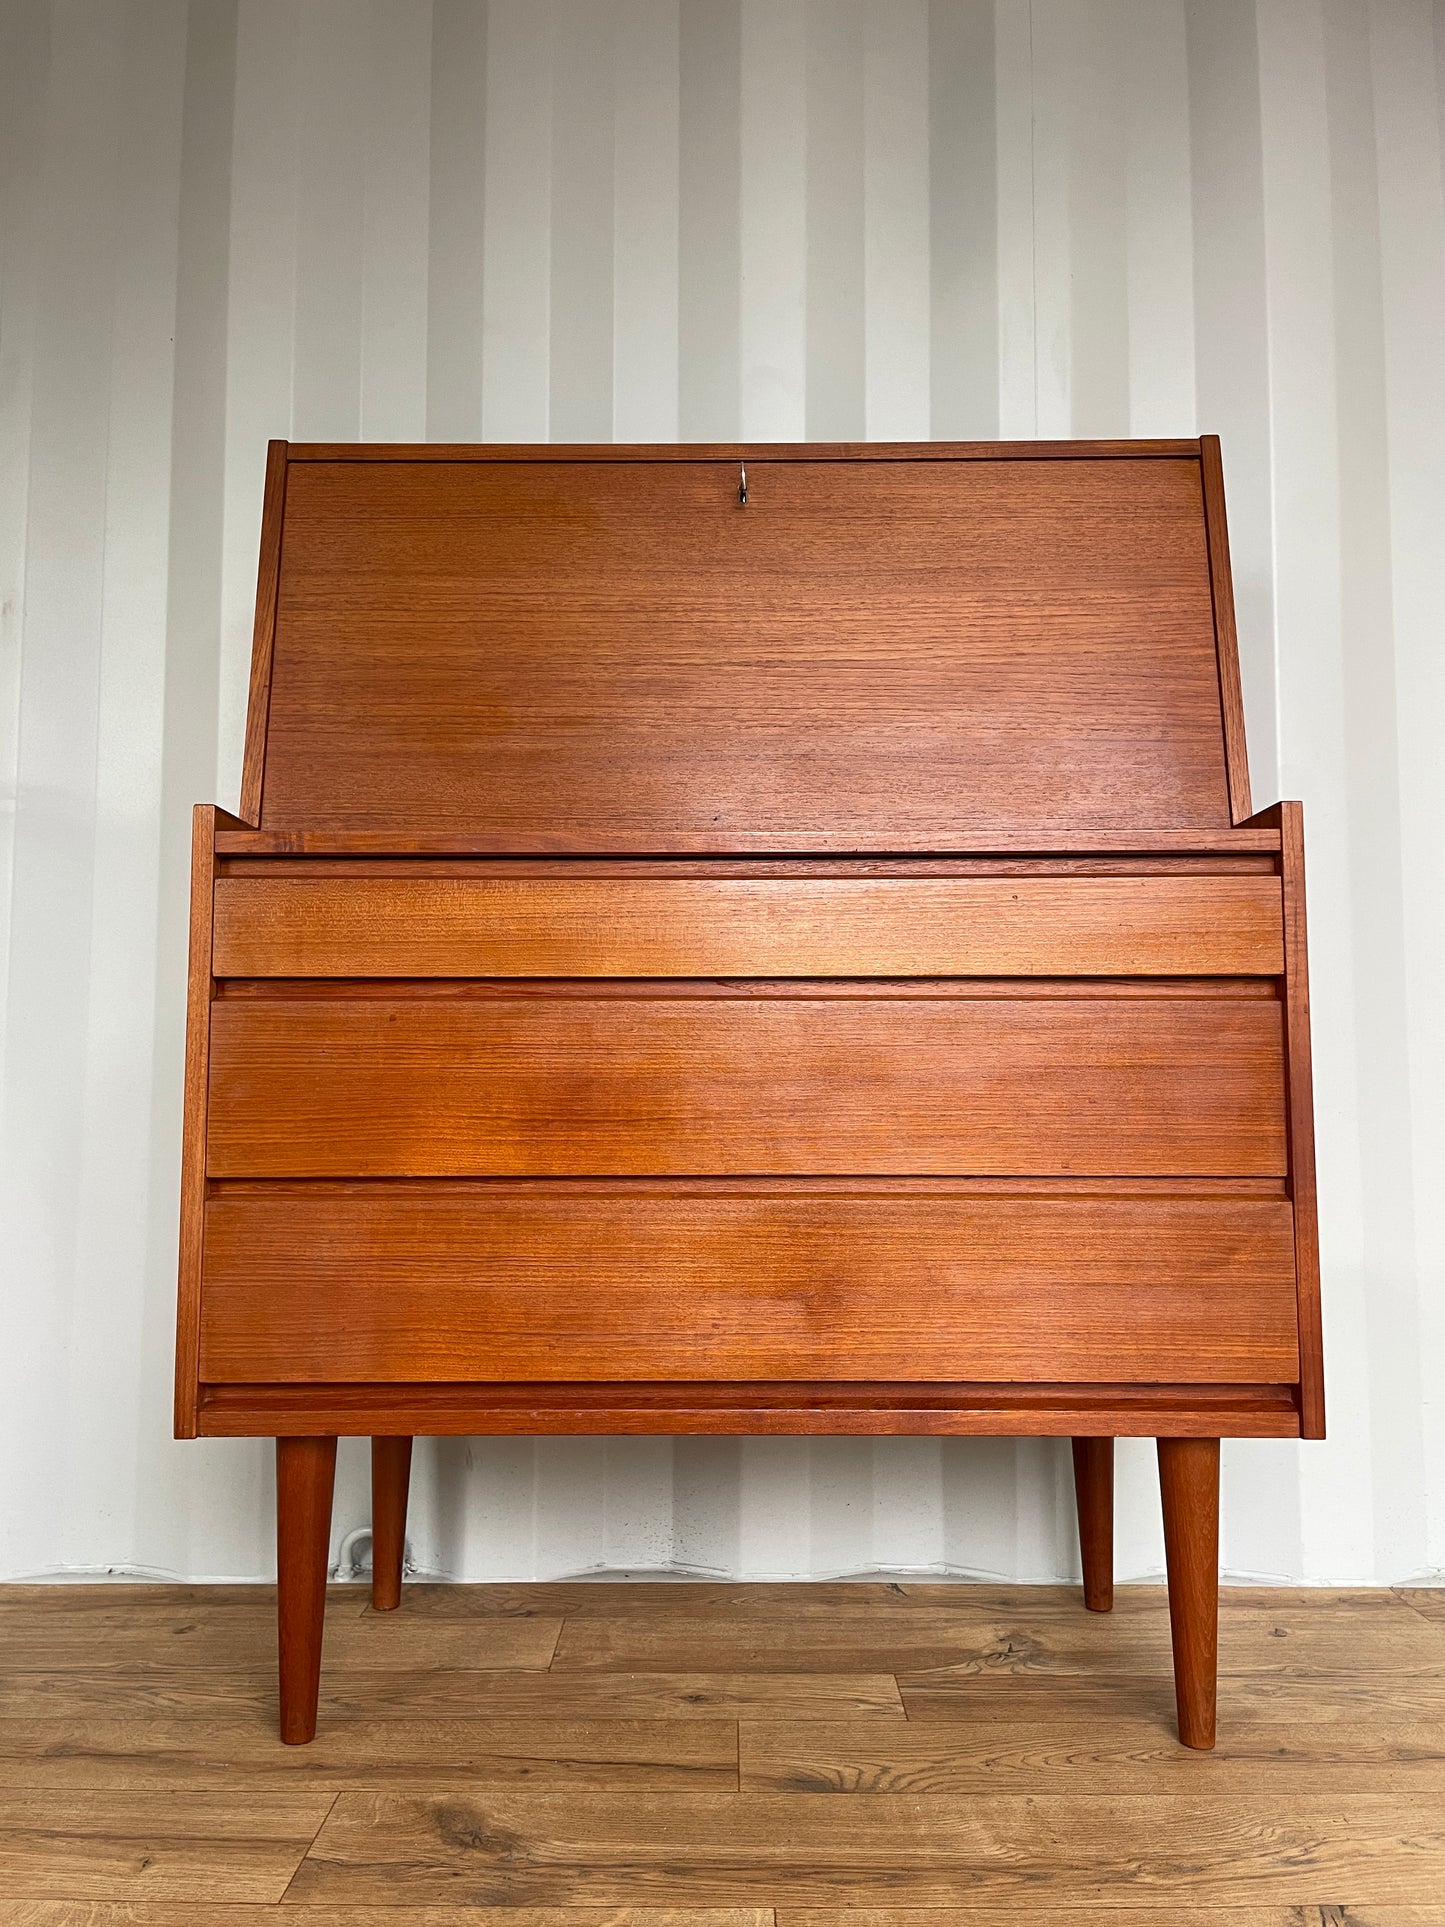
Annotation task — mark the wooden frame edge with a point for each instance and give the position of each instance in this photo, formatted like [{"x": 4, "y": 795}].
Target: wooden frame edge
[
  {"x": 864, "y": 1409},
  {"x": 200, "y": 989},
  {"x": 1288, "y": 818},
  {"x": 263, "y": 638},
  {"x": 1226, "y": 635},
  {"x": 1103, "y": 450}
]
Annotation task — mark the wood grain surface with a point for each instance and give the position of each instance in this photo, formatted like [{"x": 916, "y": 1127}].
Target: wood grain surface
[
  {"x": 701, "y": 1848},
  {"x": 570, "y": 646},
  {"x": 683, "y": 1086},
  {"x": 608, "y": 1794},
  {"x": 1146, "y": 926},
  {"x": 179, "y": 1844},
  {"x": 443, "y": 1282},
  {"x": 66, "y": 1913},
  {"x": 70, "y": 1913}
]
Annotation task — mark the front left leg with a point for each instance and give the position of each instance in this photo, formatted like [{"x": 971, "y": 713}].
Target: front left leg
[{"x": 305, "y": 1477}]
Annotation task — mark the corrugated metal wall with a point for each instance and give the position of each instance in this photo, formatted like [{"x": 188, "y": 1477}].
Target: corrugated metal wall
[{"x": 641, "y": 219}]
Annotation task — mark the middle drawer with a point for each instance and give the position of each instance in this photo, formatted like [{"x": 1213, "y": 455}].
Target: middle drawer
[{"x": 1082, "y": 1080}]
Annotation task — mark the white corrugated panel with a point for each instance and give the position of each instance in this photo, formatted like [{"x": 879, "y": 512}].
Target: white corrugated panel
[{"x": 640, "y": 219}]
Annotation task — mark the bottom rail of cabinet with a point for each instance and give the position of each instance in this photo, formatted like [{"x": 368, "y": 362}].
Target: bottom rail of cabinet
[{"x": 751, "y": 1409}]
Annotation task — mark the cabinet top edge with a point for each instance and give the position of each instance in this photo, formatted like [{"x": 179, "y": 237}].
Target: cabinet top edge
[{"x": 1117, "y": 450}]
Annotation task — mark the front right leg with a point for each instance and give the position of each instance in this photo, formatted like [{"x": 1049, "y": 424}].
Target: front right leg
[{"x": 1189, "y": 1486}]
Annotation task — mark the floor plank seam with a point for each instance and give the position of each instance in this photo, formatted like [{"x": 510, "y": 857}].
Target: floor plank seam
[
  {"x": 306, "y": 1855},
  {"x": 562, "y": 1619},
  {"x": 1426, "y": 1618}
]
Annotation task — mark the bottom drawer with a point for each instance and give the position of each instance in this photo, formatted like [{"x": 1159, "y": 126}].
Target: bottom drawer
[{"x": 427, "y": 1283}]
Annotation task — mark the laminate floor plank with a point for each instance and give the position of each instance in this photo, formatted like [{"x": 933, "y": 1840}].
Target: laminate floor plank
[
  {"x": 772, "y": 1849},
  {"x": 1087, "y": 1914},
  {"x": 80, "y": 1913},
  {"x": 138, "y": 1753},
  {"x": 920, "y": 1640},
  {"x": 625, "y": 1599},
  {"x": 120, "y": 1641},
  {"x": 22, "y": 1602},
  {"x": 577, "y": 1599},
  {"x": 86, "y": 1913},
  {"x": 243, "y": 1844},
  {"x": 1384, "y": 1699},
  {"x": 404, "y": 1693},
  {"x": 1129, "y": 1755},
  {"x": 496, "y": 1645},
  {"x": 1356, "y": 1602}
]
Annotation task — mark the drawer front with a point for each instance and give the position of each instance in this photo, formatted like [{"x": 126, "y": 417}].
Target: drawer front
[
  {"x": 691, "y": 1085},
  {"x": 1159, "y": 926},
  {"x": 562, "y": 1283}
]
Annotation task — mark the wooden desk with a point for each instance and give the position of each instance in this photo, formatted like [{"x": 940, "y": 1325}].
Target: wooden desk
[{"x": 798, "y": 965}]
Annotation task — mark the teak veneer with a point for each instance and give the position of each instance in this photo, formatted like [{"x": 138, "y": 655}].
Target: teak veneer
[{"x": 797, "y": 964}]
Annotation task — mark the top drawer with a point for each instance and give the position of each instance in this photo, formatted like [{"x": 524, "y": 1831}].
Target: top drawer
[{"x": 448, "y": 926}]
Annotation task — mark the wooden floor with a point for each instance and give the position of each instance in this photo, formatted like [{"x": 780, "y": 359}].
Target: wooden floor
[{"x": 719, "y": 1756}]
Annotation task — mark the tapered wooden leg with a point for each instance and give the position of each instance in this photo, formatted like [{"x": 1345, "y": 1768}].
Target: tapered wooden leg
[
  {"x": 390, "y": 1477},
  {"x": 1189, "y": 1485},
  {"x": 305, "y": 1476},
  {"x": 1094, "y": 1497}
]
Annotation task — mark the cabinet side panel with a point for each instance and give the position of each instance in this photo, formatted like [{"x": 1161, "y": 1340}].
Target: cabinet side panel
[
  {"x": 199, "y": 990},
  {"x": 1226, "y": 638},
  {"x": 1301, "y": 1122},
  {"x": 263, "y": 639}
]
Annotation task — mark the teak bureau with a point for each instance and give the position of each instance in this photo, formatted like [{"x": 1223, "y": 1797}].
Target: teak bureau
[{"x": 748, "y": 940}]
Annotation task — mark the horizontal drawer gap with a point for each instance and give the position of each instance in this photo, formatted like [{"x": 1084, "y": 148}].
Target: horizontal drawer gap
[
  {"x": 752, "y": 988},
  {"x": 751, "y": 868},
  {"x": 804, "y": 847},
  {"x": 802, "y": 1186},
  {"x": 783, "y": 1391}
]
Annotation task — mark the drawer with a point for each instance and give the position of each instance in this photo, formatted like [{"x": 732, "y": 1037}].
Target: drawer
[
  {"x": 431, "y": 1283},
  {"x": 785, "y": 1079},
  {"x": 430, "y": 926}
]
